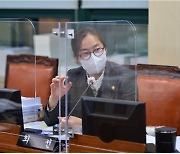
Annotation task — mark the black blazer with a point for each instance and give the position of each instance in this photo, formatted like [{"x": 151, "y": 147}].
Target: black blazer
[{"x": 119, "y": 82}]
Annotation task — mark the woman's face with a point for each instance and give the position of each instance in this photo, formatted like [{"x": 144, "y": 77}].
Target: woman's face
[
  {"x": 89, "y": 44},
  {"x": 92, "y": 55}
]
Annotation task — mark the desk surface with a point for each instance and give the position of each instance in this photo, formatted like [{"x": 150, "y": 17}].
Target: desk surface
[
  {"x": 8, "y": 144},
  {"x": 9, "y": 139},
  {"x": 9, "y": 135}
]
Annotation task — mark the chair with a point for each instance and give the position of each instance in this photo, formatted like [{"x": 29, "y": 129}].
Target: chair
[
  {"x": 159, "y": 88},
  {"x": 33, "y": 80}
]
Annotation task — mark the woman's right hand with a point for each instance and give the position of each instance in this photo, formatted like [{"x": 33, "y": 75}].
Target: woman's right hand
[{"x": 56, "y": 85}]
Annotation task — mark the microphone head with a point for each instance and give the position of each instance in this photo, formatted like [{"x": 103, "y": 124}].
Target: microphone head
[{"x": 91, "y": 80}]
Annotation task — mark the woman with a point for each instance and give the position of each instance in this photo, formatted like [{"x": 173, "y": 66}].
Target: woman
[{"x": 110, "y": 79}]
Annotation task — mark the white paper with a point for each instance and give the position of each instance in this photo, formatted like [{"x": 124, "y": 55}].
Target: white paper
[
  {"x": 36, "y": 125},
  {"x": 31, "y": 108},
  {"x": 178, "y": 143}
]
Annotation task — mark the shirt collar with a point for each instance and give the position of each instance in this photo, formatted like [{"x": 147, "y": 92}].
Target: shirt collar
[{"x": 97, "y": 83}]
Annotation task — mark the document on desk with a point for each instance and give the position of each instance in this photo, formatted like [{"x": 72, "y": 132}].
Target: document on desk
[
  {"x": 40, "y": 125},
  {"x": 36, "y": 125},
  {"x": 46, "y": 130},
  {"x": 178, "y": 143},
  {"x": 31, "y": 107}
]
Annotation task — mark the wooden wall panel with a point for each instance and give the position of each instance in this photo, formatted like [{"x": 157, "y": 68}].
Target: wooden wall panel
[{"x": 164, "y": 32}]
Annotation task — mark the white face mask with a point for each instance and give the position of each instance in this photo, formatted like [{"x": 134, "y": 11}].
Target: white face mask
[{"x": 94, "y": 64}]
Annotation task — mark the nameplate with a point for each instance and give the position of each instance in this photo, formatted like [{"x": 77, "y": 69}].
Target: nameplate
[{"x": 38, "y": 141}]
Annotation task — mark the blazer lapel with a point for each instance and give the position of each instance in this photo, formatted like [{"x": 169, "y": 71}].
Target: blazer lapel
[{"x": 108, "y": 84}]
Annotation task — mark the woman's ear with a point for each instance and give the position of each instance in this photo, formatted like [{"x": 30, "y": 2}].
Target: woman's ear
[{"x": 77, "y": 60}]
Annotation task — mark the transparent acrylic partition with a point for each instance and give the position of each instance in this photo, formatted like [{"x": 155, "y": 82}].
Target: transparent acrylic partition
[
  {"x": 101, "y": 89},
  {"x": 94, "y": 62},
  {"x": 27, "y": 68},
  {"x": 17, "y": 54}
]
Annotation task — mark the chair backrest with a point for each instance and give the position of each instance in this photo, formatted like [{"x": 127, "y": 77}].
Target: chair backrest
[
  {"x": 159, "y": 88},
  {"x": 31, "y": 74}
]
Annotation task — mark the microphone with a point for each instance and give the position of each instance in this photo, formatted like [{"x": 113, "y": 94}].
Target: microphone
[{"x": 90, "y": 81}]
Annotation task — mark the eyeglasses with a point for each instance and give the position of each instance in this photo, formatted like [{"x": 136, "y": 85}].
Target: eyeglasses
[{"x": 97, "y": 52}]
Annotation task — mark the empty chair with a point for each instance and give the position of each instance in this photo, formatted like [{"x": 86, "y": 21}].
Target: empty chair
[
  {"x": 31, "y": 74},
  {"x": 159, "y": 88}
]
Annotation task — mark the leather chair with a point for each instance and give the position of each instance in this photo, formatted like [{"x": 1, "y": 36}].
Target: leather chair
[
  {"x": 159, "y": 88},
  {"x": 33, "y": 80}
]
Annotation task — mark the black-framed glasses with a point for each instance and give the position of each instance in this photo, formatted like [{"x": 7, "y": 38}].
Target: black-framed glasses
[{"x": 87, "y": 55}]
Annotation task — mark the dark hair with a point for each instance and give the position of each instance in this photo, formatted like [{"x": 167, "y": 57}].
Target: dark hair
[{"x": 80, "y": 35}]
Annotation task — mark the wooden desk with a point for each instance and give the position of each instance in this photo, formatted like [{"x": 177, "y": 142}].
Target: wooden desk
[
  {"x": 92, "y": 144},
  {"x": 9, "y": 134}
]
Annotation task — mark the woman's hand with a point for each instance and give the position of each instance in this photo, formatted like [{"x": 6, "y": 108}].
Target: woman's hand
[
  {"x": 73, "y": 122},
  {"x": 57, "y": 87}
]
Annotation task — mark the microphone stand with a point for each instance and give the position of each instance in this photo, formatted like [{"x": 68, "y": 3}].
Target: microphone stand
[{"x": 79, "y": 100}]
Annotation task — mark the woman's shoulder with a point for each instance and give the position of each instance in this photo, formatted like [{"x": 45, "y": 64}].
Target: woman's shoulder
[
  {"x": 113, "y": 68},
  {"x": 119, "y": 67},
  {"x": 76, "y": 73},
  {"x": 76, "y": 70}
]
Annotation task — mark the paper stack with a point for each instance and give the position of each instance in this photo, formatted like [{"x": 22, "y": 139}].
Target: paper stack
[{"x": 31, "y": 108}]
